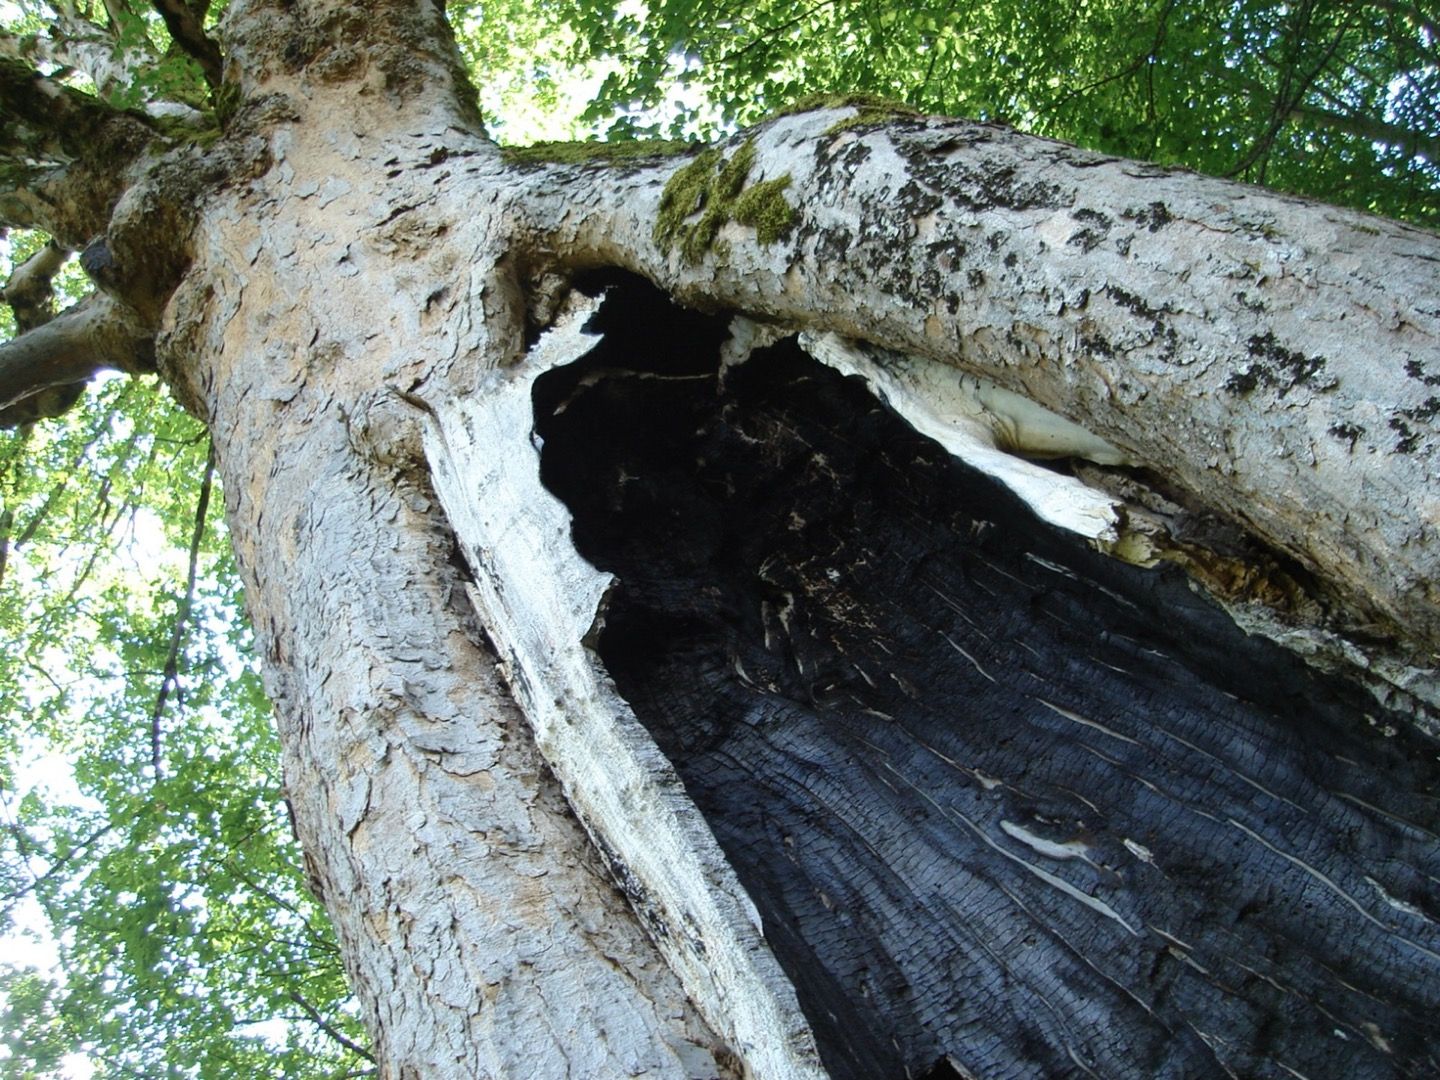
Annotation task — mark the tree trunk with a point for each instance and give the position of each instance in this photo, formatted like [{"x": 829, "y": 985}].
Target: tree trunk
[
  {"x": 479, "y": 930},
  {"x": 366, "y": 282}
]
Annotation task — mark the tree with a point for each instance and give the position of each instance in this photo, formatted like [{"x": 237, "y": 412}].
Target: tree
[
  {"x": 1330, "y": 100},
  {"x": 378, "y": 315}
]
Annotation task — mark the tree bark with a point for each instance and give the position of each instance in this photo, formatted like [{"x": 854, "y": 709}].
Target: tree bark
[
  {"x": 481, "y": 935},
  {"x": 94, "y": 335},
  {"x": 351, "y": 301}
]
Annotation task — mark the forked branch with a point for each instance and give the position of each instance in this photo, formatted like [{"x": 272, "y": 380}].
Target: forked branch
[
  {"x": 187, "y": 32},
  {"x": 29, "y": 292}
]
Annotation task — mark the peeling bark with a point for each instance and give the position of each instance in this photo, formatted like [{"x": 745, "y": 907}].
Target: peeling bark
[{"x": 534, "y": 592}]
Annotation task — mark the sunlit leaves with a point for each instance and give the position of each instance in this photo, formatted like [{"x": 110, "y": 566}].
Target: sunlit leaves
[
  {"x": 1338, "y": 101},
  {"x": 32, "y": 1032},
  {"x": 523, "y": 58},
  {"x": 188, "y": 946}
]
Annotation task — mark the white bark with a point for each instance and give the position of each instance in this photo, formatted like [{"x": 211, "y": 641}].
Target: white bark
[
  {"x": 973, "y": 419},
  {"x": 80, "y": 44},
  {"x": 541, "y": 601}
]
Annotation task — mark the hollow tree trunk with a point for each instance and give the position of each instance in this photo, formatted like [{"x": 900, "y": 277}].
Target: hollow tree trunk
[{"x": 364, "y": 286}]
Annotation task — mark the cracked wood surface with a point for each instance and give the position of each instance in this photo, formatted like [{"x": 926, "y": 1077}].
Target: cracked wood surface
[{"x": 1002, "y": 803}]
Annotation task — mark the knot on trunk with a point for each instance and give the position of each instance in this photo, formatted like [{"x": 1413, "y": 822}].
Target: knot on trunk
[{"x": 385, "y": 428}]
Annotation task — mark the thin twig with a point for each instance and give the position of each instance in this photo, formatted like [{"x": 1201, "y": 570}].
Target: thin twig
[
  {"x": 1286, "y": 100},
  {"x": 328, "y": 1028},
  {"x": 36, "y": 880},
  {"x": 1146, "y": 58},
  {"x": 171, "y": 680}
]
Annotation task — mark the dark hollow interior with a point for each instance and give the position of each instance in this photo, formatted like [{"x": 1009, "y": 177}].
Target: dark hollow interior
[{"x": 1008, "y": 808}]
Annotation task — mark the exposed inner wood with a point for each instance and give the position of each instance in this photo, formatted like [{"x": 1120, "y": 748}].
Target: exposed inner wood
[{"x": 1007, "y": 807}]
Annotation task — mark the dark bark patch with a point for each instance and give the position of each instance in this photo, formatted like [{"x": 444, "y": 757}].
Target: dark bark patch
[
  {"x": 1276, "y": 367},
  {"x": 916, "y": 201},
  {"x": 1154, "y": 217},
  {"x": 1416, "y": 370},
  {"x": 1087, "y": 240},
  {"x": 1424, "y": 413},
  {"x": 1132, "y": 303},
  {"x": 1096, "y": 227},
  {"x": 1007, "y": 808},
  {"x": 1348, "y": 433},
  {"x": 982, "y": 184},
  {"x": 1407, "y": 437},
  {"x": 1162, "y": 334}
]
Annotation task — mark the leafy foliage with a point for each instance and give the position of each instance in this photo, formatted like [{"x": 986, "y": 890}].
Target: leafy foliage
[
  {"x": 1338, "y": 100},
  {"x": 524, "y": 57},
  {"x": 188, "y": 946}
]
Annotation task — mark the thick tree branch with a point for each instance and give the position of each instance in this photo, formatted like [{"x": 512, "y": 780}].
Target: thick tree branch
[
  {"x": 65, "y": 157},
  {"x": 77, "y": 43},
  {"x": 49, "y": 120},
  {"x": 29, "y": 292},
  {"x": 92, "y": 336},
  {"x": 185, "y": 29},
  {"x": 1082, "y": 298}
]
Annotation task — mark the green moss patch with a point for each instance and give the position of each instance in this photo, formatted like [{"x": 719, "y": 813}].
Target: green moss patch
[
  {"x": 710, "y": 191},
  {"x": 587, "y": 153},
  {"x": 870, "y": 109}
]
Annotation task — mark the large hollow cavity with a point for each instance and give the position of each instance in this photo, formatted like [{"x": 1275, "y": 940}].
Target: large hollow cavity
[{"x": 1007, "y": 808}]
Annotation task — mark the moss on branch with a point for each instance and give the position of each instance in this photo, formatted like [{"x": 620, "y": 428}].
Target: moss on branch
[
  {"x": 701, "y": 198},
  {"x": 870, "y": 109},
  {"x": 592, "y": 153}
]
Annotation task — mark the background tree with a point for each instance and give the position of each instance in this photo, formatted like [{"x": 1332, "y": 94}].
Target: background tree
[
  {"x": 1331, "y": 100},
  {"x": 166, "y": 880}
]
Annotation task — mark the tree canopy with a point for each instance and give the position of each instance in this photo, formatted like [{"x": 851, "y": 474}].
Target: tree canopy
[
  {"x": 1328, "y": 99},
  {"x": 161, "y": 865}
]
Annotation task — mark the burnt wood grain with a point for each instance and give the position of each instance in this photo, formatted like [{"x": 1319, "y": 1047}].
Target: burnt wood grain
[{"x": 1008, "y": 808}]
